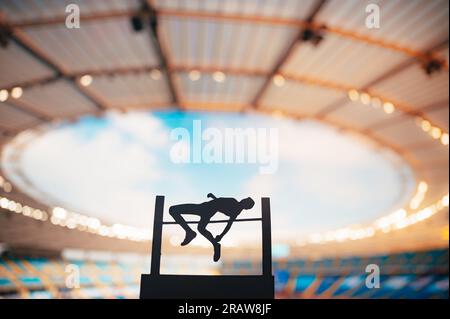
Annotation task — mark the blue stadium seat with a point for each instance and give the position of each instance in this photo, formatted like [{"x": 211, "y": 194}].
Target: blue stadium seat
[
  {"x": 5, "y": 282},
  {"x": 30, "y": 281},
  {"x": 38, "y": 263},
  {"x": 348, "y": 284},
  {"x": 303, "y": 282},
  {"x": 438, "y": 288},
  {"x": 392, "y": 284},
  {"x": 326, "y": 283},
  {"x": 411, "y": 290},
  {"x": 281, "y": 279}
]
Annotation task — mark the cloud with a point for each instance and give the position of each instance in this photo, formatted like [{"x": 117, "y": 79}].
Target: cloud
[
  {"x": 110, "y": 175},
  {"x": 325, "y": 178},
  {"x": 144, "y": 129},
  {"x": 262, "y": 185}
]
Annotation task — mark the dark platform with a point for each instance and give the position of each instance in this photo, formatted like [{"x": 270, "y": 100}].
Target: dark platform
[{"x": 206, "y": 287}]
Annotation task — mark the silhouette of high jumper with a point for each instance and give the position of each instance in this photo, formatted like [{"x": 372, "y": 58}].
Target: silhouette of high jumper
[
  {"x": 162, "y": 286},
  {"x": 206, "y": 210}
]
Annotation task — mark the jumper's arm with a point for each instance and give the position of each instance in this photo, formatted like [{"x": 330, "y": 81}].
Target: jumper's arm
[
  {"x": 211, "y": 195},
  {"x": 226, "y": 229}
]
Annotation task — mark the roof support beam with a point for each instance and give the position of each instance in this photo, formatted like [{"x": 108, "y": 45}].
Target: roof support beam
[
  {"x": 31, "y": 110},
  {"x": 161, "y": 50},
  {"x": 22, "y": 40},
  {"x": 383, "y": 77},
  {"x": 197, "y": 14},
  {"x": 402, "y": 66},
  {"x": 421, "y": 112},
  {"x": 286, "y": 54},
  {"x": 34, "y": 82},
  {"x": 139, "y": 69},
  {"x": 4, "y": 132},
  {"x": 435, "y": 106}
]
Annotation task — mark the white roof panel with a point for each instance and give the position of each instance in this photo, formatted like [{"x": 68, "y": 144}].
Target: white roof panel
[
  {"x": 17, "y": 66},
  {"x": 13, "y": 118},
  {"x": 403, "y": 133},
  {"x": 299, "y": 98},
  {"x": 356, "y": 114},
  {"x": 105, "y": 44},
  {"x": 359, "y": 62},
  {"x": 131, "y": 90},
  {"x": 234, "y": 90},
  {"x": 58, "y": 99},
  {"x": 439, "y": 117},
  {"x": 414, "y": 24},
  {"x": 414, "y": 88},
  {"x": 29, "y": 10},
  {"x": 221, "y": 44},
  {"x": 430, "y": 153},
  {"x": 267, "y": 8}
]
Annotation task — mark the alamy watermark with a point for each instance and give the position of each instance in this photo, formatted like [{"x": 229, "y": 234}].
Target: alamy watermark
[
  {"x": 229, "y": 145},
  {"x": 72, "y": 279},
  {"x": 73, "y": 17},
  {"x": 373, "y": 17},
  {"x": 373, "y": 277}
]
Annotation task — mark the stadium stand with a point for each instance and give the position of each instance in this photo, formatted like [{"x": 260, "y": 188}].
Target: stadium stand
[
  {"x": 409, "y": 275},
  {"x": 46, "y": 278}
]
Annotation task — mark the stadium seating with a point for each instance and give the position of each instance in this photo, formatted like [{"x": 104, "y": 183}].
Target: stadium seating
[
  {"x": 407, "y": 275},
  {"x": 46, "y": 278}
]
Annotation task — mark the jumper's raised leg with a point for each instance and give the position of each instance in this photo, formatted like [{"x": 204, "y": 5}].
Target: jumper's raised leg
[{"x": 176, "y": 212}]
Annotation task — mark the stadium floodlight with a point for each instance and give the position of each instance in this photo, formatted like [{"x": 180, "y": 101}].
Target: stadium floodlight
[
  {"x": 279, "y": 80},
  {"x": 388, "y": 107},
  {"x": 145, "y": 15},
  {"x": 86, "y": 80},
  {"x": 16, "y": 92},
  {"x": 444, "y": 139},
  {"x": 3, "y": 95},
  {"x": 155, "y": 74},
  {"x": 194, "y": 75},
  {"x": 432, "y": 65},
  {"x": 313, "y": 34},
  {"x": 219, "y": 76},
  {"x": 136, "y": 23}
]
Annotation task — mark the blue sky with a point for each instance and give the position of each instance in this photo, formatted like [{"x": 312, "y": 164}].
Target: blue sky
[{"x": 112, "y": 168}]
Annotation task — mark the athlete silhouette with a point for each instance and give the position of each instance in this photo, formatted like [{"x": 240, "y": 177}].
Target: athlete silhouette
[{"x": 227, "y": 206}]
